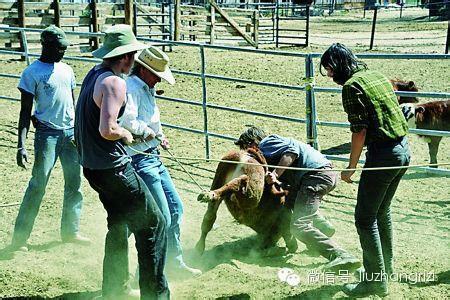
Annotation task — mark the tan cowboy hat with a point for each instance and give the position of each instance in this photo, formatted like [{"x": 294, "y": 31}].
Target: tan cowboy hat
[
  {"x": 157, "y": 62},
  {"x": 119, "y": 39}
]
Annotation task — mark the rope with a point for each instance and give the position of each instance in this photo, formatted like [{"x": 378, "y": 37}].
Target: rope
[
  {"x": 172, "y": 157},
  {"x": 288, "y": 168},
  {"x": 9, "y": 204},
  {"x": 186, "y": 171}
]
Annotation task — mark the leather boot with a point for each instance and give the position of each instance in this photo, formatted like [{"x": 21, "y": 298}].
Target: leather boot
[
  {"x": 342, "y": 261},
  {"x": 365, "y": 289},
  {"x": 386, "y": 239},
  {"x": 372, "y": 253}
]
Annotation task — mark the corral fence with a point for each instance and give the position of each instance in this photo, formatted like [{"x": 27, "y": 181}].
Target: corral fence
[
  {"x": 258, "y": 23},
  {"x": 308, "y": 87},
  {"x": 153, "y": 20},
  {"x": 213, "y": 23},
  {"x": 279, "y": 23}
]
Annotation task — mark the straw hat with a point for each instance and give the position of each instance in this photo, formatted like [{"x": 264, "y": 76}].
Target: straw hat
[
  {"x": 157, "y": 62},
  {"x": 119, "y": 39}
]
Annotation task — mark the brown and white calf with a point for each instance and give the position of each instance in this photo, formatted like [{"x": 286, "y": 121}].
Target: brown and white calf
[
  {"x": 405, "y": 86},
  {"x": 249, "y": 200},
  {"x": 432, "y": 116}
]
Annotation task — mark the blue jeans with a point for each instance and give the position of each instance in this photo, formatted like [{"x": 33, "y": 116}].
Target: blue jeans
[
  {"x": 158, "y": 180},
  {"x": 49, "y": 145},
  {"x": 373, "y": 205},
  {"x": 313, "y": 187},
  {"x": 131, "y": 207}
]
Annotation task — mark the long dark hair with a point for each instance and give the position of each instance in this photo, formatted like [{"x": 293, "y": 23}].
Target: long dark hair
[{"x": 342, "y": 61}]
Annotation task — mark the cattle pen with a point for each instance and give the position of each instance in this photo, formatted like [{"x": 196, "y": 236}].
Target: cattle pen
[
  {"x": 270, "y": 88},
  {"x": 307, "y": 85}
]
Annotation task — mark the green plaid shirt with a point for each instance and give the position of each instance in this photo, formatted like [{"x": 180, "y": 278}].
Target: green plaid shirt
[{"x": 370, "y": 102}]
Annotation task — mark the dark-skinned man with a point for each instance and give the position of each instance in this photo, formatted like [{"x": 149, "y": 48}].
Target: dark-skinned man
[{"x": 49, "y": 83}]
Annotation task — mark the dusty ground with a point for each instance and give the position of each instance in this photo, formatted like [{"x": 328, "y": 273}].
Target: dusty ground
[{"x": 231, "y": 268}]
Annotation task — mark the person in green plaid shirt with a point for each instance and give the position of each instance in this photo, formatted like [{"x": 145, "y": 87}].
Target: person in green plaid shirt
[{"x": 377, "y": 122}]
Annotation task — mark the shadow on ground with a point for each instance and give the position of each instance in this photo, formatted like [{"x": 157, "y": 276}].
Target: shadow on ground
[
  {"x": 7, "y": 253},
  {"x": 440, "y": 278},
  {"x": 337, "y": 150},
  {"x": 323, "y": 292},
  {"x": 422, "y": 175},
  {"x": 66, "y": 296},
  {"x": 246, "y": 251}
]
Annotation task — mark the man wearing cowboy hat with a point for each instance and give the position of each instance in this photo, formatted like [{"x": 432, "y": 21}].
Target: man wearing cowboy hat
[
  {"x": 142, "y": 119},
  {"x": 106, "y": 165}
]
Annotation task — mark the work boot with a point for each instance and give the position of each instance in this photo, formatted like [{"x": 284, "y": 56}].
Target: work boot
[
  {"x": 343, "y": 261},
  {"x": 76, "y": 239},
  {"x": 183, "y": 271},
  {"x": 13, "y": 247},
  {"x": 321, "y": 223},
  {"x": 291, "y": 244},
  {"x": 311, "y": 252},
  {"x": 366, "y": 288},
  {"x": 188, "y": 271}
]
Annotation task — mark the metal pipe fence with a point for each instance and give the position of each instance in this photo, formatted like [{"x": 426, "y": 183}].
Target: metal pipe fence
[{"x": 308, "y": 86}]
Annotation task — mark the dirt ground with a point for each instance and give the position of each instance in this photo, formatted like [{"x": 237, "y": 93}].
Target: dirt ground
[{"x": 232, "y": 269}]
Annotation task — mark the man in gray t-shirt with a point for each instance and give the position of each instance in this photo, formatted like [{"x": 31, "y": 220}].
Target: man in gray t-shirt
[
  {"x": 49, "y": 83},
  {"x": 307, "y": 188}
]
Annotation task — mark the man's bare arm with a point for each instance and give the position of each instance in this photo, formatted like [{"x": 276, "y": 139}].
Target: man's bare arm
[
  {"x": 113, "y": 94},
  {"x": 285, "y": 161}
]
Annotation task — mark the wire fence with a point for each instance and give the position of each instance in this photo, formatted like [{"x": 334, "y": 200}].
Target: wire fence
[{"x": 308, "y": 86}]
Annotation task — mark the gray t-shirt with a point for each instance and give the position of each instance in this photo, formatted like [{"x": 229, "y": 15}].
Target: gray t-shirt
[
  {"x": 51, "y": 84},
  {"x": 274, "y": 147}
]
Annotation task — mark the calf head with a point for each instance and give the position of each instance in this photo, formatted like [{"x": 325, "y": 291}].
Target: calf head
[
  {"x": 405, "y": 86},
  {"x": 409, "y": 111}
]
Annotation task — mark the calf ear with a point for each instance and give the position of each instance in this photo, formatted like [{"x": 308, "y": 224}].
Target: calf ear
[
  {"x": 411, "y": 84},
  {"x": 420, "y": 110}
]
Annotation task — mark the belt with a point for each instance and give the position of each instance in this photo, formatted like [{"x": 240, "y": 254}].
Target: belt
[
  {"x": 387, "y": 143},
  {"x": 151, "y": 149}
]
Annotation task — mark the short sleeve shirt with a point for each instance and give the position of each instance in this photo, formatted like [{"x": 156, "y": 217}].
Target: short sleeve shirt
[
  {"x": 51, "y": 84},
  {"x": 274, "y": 147}
]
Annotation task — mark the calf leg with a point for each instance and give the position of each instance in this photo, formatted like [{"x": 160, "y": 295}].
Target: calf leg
[
  {"x": 433, "y": 147},
  {"x": 238, "y": 184},
  {"x": 207, "y": 223}
]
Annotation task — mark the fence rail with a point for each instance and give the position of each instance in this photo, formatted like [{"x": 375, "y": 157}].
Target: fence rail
[{"x": 309, "y": 88}]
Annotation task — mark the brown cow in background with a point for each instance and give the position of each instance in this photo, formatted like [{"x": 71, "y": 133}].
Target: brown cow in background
[
  {"x": 405, "y": 86},
  {"x": 432, "y": 116},
  {"x": 249, "y": 200}
]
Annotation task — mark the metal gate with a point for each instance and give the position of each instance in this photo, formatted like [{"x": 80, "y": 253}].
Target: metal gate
[
  {"x": 153, "y": 21},
  {"x": 284, "y": 24}
]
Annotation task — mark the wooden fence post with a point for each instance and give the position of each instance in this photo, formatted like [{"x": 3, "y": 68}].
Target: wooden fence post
[
  {"x": 21, "y": 12},
  {"x": 21, "y": 16},
  {"x": 212, "y": 33},
  {"x": 256, "y": 27},
  {"x": 447, "y": 43},
  {"x": 135, "y": 18},
  {"x": 177, "y": 19},
  {"x": 94, "y": 23},
  {"x": 57, "y": 13},
  {"x": 374, "y": 22},
  {"x": 129, "y": 12}
]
